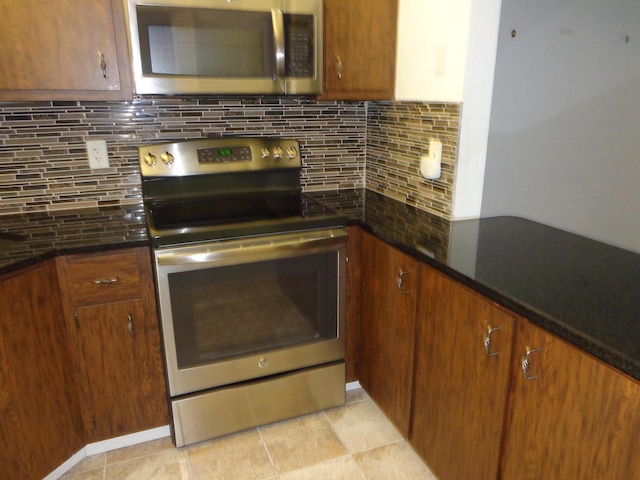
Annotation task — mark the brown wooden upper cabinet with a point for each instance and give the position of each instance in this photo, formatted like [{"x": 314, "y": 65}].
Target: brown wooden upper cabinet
[
  {"x": 360, "y": 49},
  {"x": 63, "y": 50}
]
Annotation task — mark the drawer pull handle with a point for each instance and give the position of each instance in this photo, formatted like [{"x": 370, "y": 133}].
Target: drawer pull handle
[
  {"x": 525, "y": 364},
  {"x": 106, "y": 281},
  {"x": 487, "y": 341},
  {"x": 103, "y": 64},
  {"x": 130, "y": 324},
  {"x": 401, "y": 282}
]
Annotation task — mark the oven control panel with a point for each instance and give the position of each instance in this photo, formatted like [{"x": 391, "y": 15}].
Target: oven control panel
[
  {"x": 224, "y": 154},
  {"x": 219, "y": 155}
]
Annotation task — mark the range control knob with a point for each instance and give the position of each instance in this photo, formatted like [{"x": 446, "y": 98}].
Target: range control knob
[
  {"x": 277, "y": 153},
  {"x": 291, "y": 152},
  {"x": 265, "y": 153},
  {"x": 167, "y": 158},
  {"x": 150, "y": 159}
]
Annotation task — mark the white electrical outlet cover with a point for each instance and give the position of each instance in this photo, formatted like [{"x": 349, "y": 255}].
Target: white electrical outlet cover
[{"x": 97, "y": 153}]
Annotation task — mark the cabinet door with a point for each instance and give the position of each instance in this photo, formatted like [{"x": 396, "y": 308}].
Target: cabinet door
[
  {"x": 118, "y": 368},
  {"x": 461, "y": 379},
  {"x": 38, "y": 408},
  {"x": 574, "y": 417},
  {"x": 389, "y": 280},
  {"x": 360, "y": 49},
  {"x": 53, "y": 50}
]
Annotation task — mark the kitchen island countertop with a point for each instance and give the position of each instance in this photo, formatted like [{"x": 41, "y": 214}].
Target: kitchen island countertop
[{"x": 582, "y": 290}]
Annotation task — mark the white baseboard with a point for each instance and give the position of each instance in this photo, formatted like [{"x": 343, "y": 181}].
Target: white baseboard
[
  {"x": 66, "y": 466},
  {"x": 127, "y": 440},
  {"x": 108, "y": 445},
  {"x": 353, "y": 386}
]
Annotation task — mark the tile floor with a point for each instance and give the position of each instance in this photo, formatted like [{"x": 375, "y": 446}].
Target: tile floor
[{"x": 353, "y": 442}]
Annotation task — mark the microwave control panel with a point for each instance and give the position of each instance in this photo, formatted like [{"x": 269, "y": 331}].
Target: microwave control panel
[{"x": 299, "y": 51}]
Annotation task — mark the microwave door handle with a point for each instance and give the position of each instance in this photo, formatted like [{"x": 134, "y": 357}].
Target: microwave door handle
[{"x": 278, "y": 38}]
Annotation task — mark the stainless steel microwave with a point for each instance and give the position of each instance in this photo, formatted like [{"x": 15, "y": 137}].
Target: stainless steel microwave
[{"x": 226, "y": 46}]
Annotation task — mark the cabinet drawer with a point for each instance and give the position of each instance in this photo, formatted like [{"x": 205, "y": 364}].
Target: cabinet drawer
[{"x": 103, "y": 278}]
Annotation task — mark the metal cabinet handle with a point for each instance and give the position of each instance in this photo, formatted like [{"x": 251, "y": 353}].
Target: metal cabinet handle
[
  {"x": 525, "y": 364},
  {"x": 103, "y": 64},
  {"x": 339, "y": 65},
  {"x": 130, "y": 324},
  {"x": 487, "y": 341},
  {"x": 401, "y": 281},
  {"x": 106, "y": 281}
]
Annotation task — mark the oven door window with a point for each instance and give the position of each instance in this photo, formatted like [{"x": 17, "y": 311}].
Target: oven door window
[{"x": 230, "y": 311}]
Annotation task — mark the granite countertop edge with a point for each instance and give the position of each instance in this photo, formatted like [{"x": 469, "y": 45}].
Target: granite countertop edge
[{"x": 54, "y": 252}]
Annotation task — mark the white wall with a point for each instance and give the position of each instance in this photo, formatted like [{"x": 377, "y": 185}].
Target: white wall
[
  {"x": 446, "y": 53},
  {"x": 476, "y": 108},
  {"x": 564, "y": 139},
  {"x": 432, "y": 49}
]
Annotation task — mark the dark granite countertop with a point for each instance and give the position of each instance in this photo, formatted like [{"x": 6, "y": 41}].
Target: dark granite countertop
[
  {"x": 582, "y": 290},
  {"x": 26, "y": 239}
]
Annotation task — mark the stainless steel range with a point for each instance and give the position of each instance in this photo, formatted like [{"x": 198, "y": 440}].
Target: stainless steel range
[{"x": 251, "y": 284}]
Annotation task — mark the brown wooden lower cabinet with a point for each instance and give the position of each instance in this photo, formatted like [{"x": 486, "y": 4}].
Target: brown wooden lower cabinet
[
  {"x": 462, "y": 370},
  {"x": 473, "y": 414},
  {"x": 118, "y": 369},
  {"x": 39, "y": 412},
  {"x": 80, "y": 358},
  {"x": 114, "y": 340},
  {"x": 574, "y": 418},
  {"x": 389, "y": 281}
]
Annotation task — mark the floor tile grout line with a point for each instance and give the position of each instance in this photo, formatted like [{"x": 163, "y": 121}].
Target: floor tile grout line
[
  {"x": 329, "y": 460},
  {"x": 401, "y": 438},
  {"x": 150, "y": 454},
  {"x": 266, "y": 449}
]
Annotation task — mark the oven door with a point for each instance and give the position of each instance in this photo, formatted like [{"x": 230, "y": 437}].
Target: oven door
[{"x": 253, "y": 307}]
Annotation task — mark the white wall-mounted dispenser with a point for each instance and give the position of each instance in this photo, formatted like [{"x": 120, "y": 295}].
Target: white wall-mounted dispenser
[{"x": 430, "y": 164}]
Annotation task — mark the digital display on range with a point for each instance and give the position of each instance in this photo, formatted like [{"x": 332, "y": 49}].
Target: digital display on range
[{"x": 224, "y": 154}]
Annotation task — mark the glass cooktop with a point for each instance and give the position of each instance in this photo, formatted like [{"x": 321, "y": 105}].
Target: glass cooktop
[{"x": 215, "y": 218}]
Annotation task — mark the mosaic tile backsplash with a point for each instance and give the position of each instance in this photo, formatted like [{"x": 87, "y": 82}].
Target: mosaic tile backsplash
[
  {"x": 44, "y": 165},
  {"x": 398, "y": 134}
]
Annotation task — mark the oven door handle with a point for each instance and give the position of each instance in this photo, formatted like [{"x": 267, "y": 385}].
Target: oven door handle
[{"x": 251, "y": 248}]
